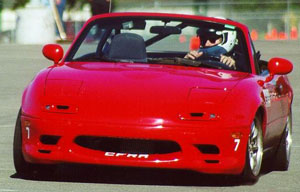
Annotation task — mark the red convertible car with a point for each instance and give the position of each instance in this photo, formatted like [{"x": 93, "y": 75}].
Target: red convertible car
[{"x": 147, "y": 90}]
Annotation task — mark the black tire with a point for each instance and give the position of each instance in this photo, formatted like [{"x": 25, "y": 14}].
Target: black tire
[
  {"x": 254, "y": 153},
  {"x": 282, "y": 158},
  {"x": 24, "y": 168}
]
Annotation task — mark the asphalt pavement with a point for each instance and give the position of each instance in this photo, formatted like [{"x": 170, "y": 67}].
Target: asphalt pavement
[{"x": 19, "y": 64}]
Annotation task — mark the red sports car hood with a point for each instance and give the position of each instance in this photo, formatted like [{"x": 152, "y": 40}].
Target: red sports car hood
[{"x": 110, "y": 91}]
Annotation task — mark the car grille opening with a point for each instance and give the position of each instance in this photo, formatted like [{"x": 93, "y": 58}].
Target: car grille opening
[
  {"x": 212, "y": 161},
  {"x": 196, "y": 114},
  {"x": 49, "y": 139},
  {"x": 44, "y": 151},
  {"x": 208, "y": 149},
  {"x": 122, "y": 145},
  {"x": 62, "y": 107}
]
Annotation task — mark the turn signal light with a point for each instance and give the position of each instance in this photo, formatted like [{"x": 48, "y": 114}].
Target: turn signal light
[{"x": 236, "y": 135}]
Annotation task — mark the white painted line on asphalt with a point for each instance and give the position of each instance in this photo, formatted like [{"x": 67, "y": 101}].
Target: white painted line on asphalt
[{"x": 7, "y": 190}]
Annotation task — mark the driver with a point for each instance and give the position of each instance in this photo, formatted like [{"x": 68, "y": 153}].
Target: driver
[{"x": 215, "y": 44}]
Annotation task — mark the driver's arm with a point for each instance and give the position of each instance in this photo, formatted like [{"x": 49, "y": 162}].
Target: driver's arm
[
  {"x": 194, "y": 54},
  {"x": 227, "y": 60}
]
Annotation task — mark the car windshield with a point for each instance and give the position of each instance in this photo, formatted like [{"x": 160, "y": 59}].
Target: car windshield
[{"x": 164, "y": 41}]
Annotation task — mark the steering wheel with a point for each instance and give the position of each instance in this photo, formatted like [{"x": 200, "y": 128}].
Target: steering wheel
[{"x": 214, "y": 61}]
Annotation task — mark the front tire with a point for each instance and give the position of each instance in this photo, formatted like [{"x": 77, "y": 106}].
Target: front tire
[
  {"x": 254, "y": 152},
  {"x": 24, "y": 168},
  {"x": 282, "y": 159}
]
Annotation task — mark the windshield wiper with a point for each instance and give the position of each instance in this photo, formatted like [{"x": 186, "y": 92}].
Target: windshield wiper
[
  {"x": 87, "y": 59},
  {"x": 186, "y": 62},
  {"x": 175, "y": 61}
]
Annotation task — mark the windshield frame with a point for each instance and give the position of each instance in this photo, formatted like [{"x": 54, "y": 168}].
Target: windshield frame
[{"x": 114, "y": 22}]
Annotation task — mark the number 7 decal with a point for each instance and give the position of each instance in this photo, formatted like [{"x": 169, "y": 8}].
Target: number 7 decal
[{"x": 237, "y": 143}]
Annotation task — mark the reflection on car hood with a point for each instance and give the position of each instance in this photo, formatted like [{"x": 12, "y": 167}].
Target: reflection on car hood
[
  {"x": 131, "y": 90},
  {"x": 119, "y": 74}
]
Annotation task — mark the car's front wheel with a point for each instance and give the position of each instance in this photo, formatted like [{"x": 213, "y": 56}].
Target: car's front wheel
[
  {"x": 254, "y": 152},
  {"x": 24, "y": 168},
  {"x": 21, "y": 166}
]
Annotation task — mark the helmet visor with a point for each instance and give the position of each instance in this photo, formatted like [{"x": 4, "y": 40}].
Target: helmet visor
[
  {"x": 208, "y": 34},
  {"x": 212, "y": 39}
]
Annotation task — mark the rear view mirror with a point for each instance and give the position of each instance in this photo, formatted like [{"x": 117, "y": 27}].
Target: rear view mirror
[{"x": 165, "y": 30}]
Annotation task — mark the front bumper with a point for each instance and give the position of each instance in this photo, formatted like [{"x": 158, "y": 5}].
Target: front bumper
[{"x": 209, "y": 148}]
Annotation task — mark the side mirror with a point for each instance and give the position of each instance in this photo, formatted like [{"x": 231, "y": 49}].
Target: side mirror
[
  {"x": 277, "y": 66},
  {"x": 53, "y": 52}
]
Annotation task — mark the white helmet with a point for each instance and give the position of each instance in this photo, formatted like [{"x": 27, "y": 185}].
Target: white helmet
[{"x": 229, "y": 40}]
